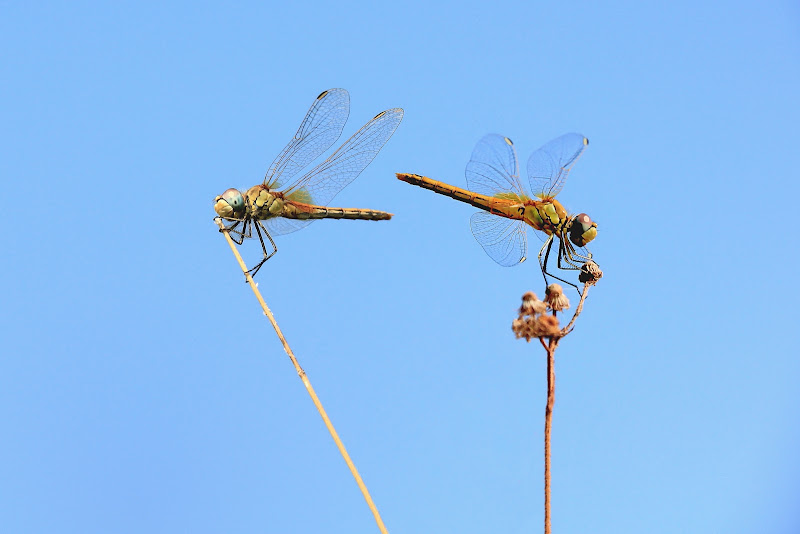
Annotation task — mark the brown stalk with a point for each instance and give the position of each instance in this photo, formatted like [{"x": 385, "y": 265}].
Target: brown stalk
[
  {"x": 548, "y": 425},
  {"x": 533, "y": 322},
  {"x": 302, "y": 374}
]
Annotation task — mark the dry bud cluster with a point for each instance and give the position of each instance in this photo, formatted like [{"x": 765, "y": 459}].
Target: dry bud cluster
[
  {"x": 590, "y": 273},
  {"x": 555, "y": 298},
  {"x": 533, "y": 322}
]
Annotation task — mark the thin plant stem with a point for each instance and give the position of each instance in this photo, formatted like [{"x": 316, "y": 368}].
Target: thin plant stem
[
  {"x": 552, "y": 344},
  {"x": 567, "y": 329},
  {"x": 548, "y": 425},
  {"x": 533, "y": 322},
  {"x": 302, "y": 374}
]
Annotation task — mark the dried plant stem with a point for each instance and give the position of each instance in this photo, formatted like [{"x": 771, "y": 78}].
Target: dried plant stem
[
  {"x": 302, "y": 374},
  {"x": 533, "y": 322},
  {"x": 567, "y": 329},
  {"x": 550, "y": 347},
  {"x": 548, "y": 425}
]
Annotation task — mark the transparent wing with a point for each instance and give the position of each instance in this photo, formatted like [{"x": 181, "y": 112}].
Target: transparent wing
[
  {"x": 503, "y": 239},
  {"x": 492, "y": 169},
  {"x": 321, "y": 128},
  {"x": 282, "y": 225},
  {"x": 328, "y": 178},
  {"x": 549, "y": 166}
]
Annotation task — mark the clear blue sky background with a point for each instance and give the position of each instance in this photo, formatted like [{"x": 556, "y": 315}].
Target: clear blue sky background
[{"x": 141, "y": 390}]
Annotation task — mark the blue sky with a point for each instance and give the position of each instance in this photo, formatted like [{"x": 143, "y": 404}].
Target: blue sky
[{"x": 141, "y": 390}]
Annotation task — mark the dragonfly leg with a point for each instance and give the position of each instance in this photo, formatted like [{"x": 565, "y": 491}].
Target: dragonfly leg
[
  {"x": 543, "y": 265},
  {"x": 259, "y": 227},
  {"x": 566, "y": 256},
  {"x": 238, "y": 236},
  {"x": 572, "y": 257},
  {"x": 548, "y": 245}
]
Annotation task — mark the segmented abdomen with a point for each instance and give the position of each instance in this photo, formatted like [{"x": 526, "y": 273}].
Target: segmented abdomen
[
  {"x": 296, "y": 210},
  {"x": 494, "y": 205}
]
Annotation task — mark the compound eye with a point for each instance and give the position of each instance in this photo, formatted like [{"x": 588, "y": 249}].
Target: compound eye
[
  {"x": 583, "y": 230},
  {"x": 234, "y": 198},
  {"x": 584, "y": 220},
  {"x": 230, "y": 204}
]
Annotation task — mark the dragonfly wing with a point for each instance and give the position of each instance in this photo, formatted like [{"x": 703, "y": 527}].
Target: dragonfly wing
[
  {"x": 321, "y": 127},
  {"x": 492, "y": 169},
  {"x": 549, "y": 166},
  {"x": 282, "y": 225},
  {"x": 503, "y": 239},
  {"x": 328, "y": 178}
]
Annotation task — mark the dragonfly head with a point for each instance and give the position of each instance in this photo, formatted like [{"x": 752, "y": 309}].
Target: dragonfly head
[
  {"x": 582, "y": 229},
  {"x": 230, "y": 204}
]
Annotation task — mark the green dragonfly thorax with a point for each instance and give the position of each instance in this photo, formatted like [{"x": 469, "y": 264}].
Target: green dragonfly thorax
[{"x": 551, "y": 217}]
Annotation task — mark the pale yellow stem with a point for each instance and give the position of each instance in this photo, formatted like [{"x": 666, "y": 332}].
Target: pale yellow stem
[{"x": 304, "y": 378}]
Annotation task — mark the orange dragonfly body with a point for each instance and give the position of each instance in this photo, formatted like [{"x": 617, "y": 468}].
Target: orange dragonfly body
[
  {"x": 506, "y": 209},
  {"x": 273, "y": 207}
]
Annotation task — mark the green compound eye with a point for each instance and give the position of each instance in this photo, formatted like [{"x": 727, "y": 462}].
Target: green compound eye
[
  {"x": 230, "y": 204},
  {"x": 234, "y": 198}
]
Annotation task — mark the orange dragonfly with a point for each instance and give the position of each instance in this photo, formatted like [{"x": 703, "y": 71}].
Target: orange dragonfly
[
  {"x": 493, "y": 178},
  {"x": 279, "y": 206}
]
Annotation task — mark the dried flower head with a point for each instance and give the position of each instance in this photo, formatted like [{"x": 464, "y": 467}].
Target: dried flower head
[
  {"x": 538, "y": 329},
  {"x": 549, "y": 325},
  {"x": 555, "y": 298},
  {"x": 523, "y": 328},
  {"x": 518, "y": 327},
  {"x": 590, "y": 273},
  {"x": 531, "y": 305}
]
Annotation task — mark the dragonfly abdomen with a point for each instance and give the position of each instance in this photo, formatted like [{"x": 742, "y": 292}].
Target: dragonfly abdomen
[
  {"x": 296, "y": 210},
  {"x": 490, "y": 204}
]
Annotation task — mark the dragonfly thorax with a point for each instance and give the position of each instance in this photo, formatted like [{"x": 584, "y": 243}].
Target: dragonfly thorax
[
  {"x": 263, "y": 203},
  {"x": 550, "y": 217},
  {"x": 257, "y": 203},
  {"x": 545, "y": 215}
]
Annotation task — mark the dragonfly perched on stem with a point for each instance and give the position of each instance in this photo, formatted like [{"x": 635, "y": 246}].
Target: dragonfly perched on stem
[
  {"x": 495, "y": 187},
  {"x": 279, "y": 205}
]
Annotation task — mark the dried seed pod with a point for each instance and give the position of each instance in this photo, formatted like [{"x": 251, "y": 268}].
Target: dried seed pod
[
  {"x": 555, "y": 298},
  {"x": 531, "y": 305},
  {"x": 549, "y": 325},
  {"x": 590, "y": 273},
  {"x": 518, "y": 327}
]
